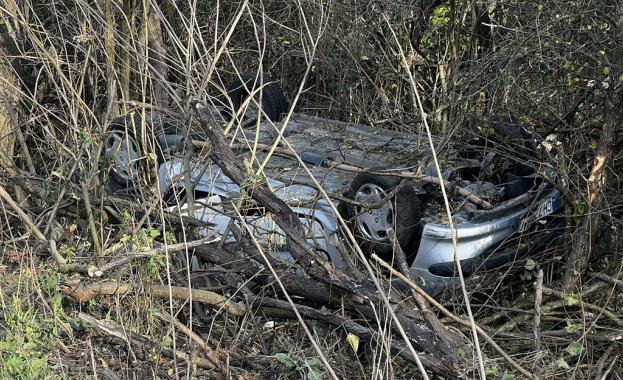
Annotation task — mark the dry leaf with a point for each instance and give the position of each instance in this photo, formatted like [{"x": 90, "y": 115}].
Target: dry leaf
[{"x": 353, "y": 340}]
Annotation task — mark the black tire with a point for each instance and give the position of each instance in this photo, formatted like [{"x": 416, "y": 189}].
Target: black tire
[
  {"x": 406, "y": 218},
  {"x": 513, "y": 138},
  {"x": 132, "y": 148},
  {"x": 274, "y": 102}
]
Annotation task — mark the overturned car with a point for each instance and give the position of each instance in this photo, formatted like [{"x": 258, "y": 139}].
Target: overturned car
[{"x": 380, "y": 180}]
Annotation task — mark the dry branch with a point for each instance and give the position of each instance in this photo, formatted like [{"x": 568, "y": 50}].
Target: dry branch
[
  {"x": 132, "y": 338},
  {"x": 131, "y": 257},
  {"x": 538, "y": 298},
  {"x": 22, "y": 215},
  {"x": 199, "y": 341},
  {"x": 82, "y": 291}
]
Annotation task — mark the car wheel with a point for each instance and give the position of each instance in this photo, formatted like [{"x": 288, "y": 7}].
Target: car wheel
[
  {"x": 401, "y": 213},
  {"x": 132, "y": 147},
  {"x": 514, "y": 136},
  {"x": 274, "y": 103},
  {"x": 515, "y": 141}
]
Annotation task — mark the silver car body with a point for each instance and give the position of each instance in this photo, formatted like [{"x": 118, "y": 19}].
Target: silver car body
[{"x": 361, "y": 145}]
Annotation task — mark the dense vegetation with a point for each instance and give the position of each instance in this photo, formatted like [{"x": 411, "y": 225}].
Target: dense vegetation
[{"x": 70, "y": 67}]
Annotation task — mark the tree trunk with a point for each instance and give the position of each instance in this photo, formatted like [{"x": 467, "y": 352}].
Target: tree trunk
[
  {"x": 110, "y": 53},
  {"x": 587, "y": 232},
  {"x": 124, "y": 55},
  {"x": 151, "y": 37},
  {"x": 589, "y": 227}
]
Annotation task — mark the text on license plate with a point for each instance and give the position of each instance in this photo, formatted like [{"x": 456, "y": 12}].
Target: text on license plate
[{"x": 546, "y": 207}]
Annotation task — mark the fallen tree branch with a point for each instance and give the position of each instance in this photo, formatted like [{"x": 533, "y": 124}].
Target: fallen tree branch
[
  {"x": 538, "y": 298},
  {"x": 364, "y": 333},
  {"x": 22, "y": 215},
  {"x": 132, "y": 338},
  {"x": 294, "y": 308},
  {"x": 81, "y": 291},
  {"x": 605, "y": 277},
  {"x": 131, "y": 257},
  {"x": 63, "y": 266}
]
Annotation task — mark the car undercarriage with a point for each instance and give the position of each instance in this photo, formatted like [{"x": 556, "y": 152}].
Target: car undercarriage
[{"x": 382, "y": 182}]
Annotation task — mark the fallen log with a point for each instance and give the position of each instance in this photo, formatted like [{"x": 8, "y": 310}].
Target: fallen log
[{"x": 83, "y": 291}]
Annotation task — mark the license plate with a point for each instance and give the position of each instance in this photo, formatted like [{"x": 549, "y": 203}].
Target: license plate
[{"x": 544, "y": 208}]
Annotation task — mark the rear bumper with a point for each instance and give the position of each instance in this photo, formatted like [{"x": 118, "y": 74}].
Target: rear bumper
[
  {"x": 436, "y": 278},
  {"x": 478, "y": 245}
]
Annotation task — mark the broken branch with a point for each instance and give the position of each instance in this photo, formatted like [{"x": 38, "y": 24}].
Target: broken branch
[{"x": 83, "y": 292}]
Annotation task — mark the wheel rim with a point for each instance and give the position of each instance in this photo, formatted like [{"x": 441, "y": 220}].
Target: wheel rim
[
  {"x": 374, "y": 223},
  {"x": 124, "y": 150}
]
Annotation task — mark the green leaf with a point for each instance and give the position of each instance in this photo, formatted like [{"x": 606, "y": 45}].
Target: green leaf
[
  {"x": 167, "y": 341},
  {"x": 540, "y": 7},
  {"x": 573, "y": 327},
  {"x": 574, "y": 348},
  {"x": 507, "y": 376},
  {"x": 315, "y": 362},
  {"x": 313, "y": 374},
  {"x": 562, "y": 364},
  {"x": 461, "y": 353},
  {"x": 154, "y": 232},
  {"x": 571, "y": 299},
  {"x": 530, "y": 264},
  {"x": 38, "y": 363},
  {"x": 582, "y": 208},
  {"x": 593, "y": 144},
  {"x": 286, "y": 360},
  {"x": 606, "y": 70},
  {"x": 490, "y": 372}
]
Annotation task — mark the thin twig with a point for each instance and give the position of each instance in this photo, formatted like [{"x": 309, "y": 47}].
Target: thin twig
[
  {"x": 198, "y": 340},
  {"x": 602, "y": 361},
  {"x": 131, "y": 257},
  {"x": 91, "y": 220}
]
